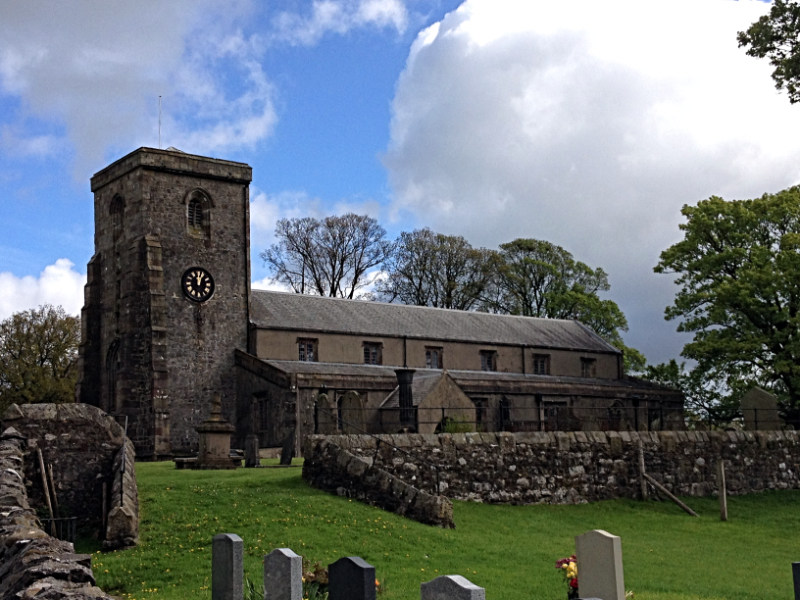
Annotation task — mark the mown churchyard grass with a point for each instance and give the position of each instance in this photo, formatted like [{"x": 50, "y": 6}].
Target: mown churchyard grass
[{"x": 509, "y": 550}]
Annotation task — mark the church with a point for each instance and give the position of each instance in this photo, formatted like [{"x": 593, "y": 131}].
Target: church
[{"x": 170, "y": 319}]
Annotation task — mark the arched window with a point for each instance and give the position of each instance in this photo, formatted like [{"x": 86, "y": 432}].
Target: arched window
[
  {"x": 198, "y": 213},
  {"x": 117, "y": 212},
  {"x": 195, "y": 214}
]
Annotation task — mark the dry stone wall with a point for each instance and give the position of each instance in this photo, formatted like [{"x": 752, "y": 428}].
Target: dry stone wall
[
  {"x": 330, "y": 467},
  {"x": 33, "y": 564},
  {"x": 576, "y": 467}
]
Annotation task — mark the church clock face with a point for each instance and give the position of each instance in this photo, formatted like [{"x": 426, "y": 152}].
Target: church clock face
[{"x": 197, "y": 284}]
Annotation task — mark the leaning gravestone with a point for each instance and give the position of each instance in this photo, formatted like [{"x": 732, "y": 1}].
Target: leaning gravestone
[
  {"x": 283, "y": 575},
  {"x": 227, "y": 567},
  {"x": 760, "y": 410},
  {"x": 326, "y": 415},
  {"x": 600, "y": 565},
  {"x": 451, "y": 587},
  {"x": 353, "y": 413},
  {"x": 351, "y": 578}
]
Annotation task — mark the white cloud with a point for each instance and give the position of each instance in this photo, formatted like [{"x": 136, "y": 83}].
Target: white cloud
[
  {"x": 93, "y": 71},
  {"x": 588, "y": 124},
  {"x": 338, "y": 16},
  {"x": 59, "y": 284}
]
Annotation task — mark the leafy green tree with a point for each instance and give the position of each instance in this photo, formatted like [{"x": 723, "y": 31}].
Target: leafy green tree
[
  {"x": 433, "y": 269},
  {"x": 535, "y": 278},
  {"x": 777, "y": 36},
  {"x": 737, "y": 268},
  {"x": 38, "y": 356}
]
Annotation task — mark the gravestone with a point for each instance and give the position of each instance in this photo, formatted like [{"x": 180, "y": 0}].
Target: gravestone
[
  {"x": 351, "y": 578},
  {"x": 760, "y": 410},
  {"x": 796, "y": 577},
  {"x": 451, "y": 587},
  {"x": 353, "y": 413},
  {"x": 326, "y": 416},
  {"x": 600, "y": 565},
  {"x": 227, "y": 567},
  {"x": 287, "y": 449},
  {"x": 283, "y": 575},
  {"x": 251, "y": 458}
]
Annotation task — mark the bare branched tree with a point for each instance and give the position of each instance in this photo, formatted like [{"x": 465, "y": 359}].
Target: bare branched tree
[
  {"x": 432, "y": 269},
  {"x": 327, "y": 257}
]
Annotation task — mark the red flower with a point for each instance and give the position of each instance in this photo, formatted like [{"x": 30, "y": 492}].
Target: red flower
[{"x": 573, "y": 583}]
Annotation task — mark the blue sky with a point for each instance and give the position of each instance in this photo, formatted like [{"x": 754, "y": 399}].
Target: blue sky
[{"x": 586, "y": 123}]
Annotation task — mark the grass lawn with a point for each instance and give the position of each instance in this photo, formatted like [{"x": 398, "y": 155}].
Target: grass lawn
[{"x": 509, "y": 550}]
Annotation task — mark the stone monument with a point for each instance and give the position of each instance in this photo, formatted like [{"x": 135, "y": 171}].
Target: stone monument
[
  {"x": 760, "y": 410},
  {"x": 215, "y": 440},
  {"x": 600, "y": 565}
]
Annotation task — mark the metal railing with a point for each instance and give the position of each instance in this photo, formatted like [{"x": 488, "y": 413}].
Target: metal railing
[{"x": 63, "y": 528}]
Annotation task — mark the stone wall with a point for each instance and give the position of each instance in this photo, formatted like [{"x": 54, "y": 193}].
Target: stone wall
[
  {"x": 576, "y": 467},
  {"x": 81, "y": 443},
  {"x": 331, "y": 468},
  {"x": 33, "y": 564}
]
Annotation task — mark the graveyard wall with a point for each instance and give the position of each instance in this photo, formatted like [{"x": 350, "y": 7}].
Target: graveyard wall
[
  {"x": 31, "y": 562},
  {"x": 330, "y": 467},
  {"x": 576, "y": 467},
  {"x": 83, "y": 445}
]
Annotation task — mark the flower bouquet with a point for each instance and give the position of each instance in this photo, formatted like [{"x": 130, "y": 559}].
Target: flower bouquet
[{"x": 569, "y": 571}]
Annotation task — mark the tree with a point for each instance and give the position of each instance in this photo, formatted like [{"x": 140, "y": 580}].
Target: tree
[
  {"x": 777, "y": 36},
  {"x": 433, "y": 269},
  {"x": 738, "y": 268},
  {"x": 535, "y": 278},
  {"x": 327, "y": 257},
  {"x": 38, "y": 356}
]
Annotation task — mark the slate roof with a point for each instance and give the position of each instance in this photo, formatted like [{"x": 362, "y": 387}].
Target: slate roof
[
  {"x": 420, "y": 388},
  {"x": 299, "y": 312}
]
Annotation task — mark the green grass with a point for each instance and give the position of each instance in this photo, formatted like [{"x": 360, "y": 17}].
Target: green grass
[{"x": 509, "y": 550}]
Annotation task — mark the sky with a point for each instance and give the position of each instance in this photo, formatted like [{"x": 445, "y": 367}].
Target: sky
[{"x": 585, "y": 123}]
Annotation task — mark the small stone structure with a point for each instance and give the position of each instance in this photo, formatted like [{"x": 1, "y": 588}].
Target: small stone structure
[
  {"x": 554, "y": 468},
  {"x": 283, "y": 575},
  {"x": 88, "y": 452},
  {"x": 215, "y": 440},
  {"x": 227, "y": 567},
  {"x": 600, "y": 571},
  {"x": 760, "y": 410},
  {"x": 33, "y": 564},
  {"x": 351, "y": 578},
  {"x": 331, "y": 468}
]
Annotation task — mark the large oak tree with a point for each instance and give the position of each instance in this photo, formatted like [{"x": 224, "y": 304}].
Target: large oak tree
[{"x": 738, "y": 268}]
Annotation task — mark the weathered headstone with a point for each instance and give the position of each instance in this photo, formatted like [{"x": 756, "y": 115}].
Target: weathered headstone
[
  {"x": 351, "y": 578},
  {"x": 353, "y": 413},
  {"x": 227, "y": 567},
  {"x": 796, "y": 577},
  {"x": 600, "y": 565},
  {"x": 287, "y": 449},
  {"x": 451, "y": 587},
  {"x": 251, "y": 458},
  {"x": 283, "y": 575},
  {"x": 760, "y": 410},
  {"x": 326, "y": 415}
]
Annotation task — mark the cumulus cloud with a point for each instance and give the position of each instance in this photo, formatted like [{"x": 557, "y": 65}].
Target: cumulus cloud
[
  {"x": 588, "y": 124},
  {"x": 93, "y": 72},
  {"x": 59, "y": 284},
  {"x": 338, "y": 16}
]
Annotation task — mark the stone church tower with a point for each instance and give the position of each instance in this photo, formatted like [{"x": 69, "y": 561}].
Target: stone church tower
[{"x": 167, "y": 296}]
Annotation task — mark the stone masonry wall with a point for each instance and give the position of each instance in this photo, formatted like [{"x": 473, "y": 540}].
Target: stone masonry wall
[
  {"x": 33, "y": 564},
  {"x": 331, "y": 468},
  {"x": 577, "y": 467}
]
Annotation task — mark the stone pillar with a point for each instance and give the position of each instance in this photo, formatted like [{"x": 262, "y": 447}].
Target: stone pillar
[
  {"x": 251, "y": 458},
  {"x": 215, "y": 440}
]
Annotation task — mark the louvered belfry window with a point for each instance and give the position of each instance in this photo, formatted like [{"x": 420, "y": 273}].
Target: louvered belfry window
[{"x": 195, "y": 214}]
